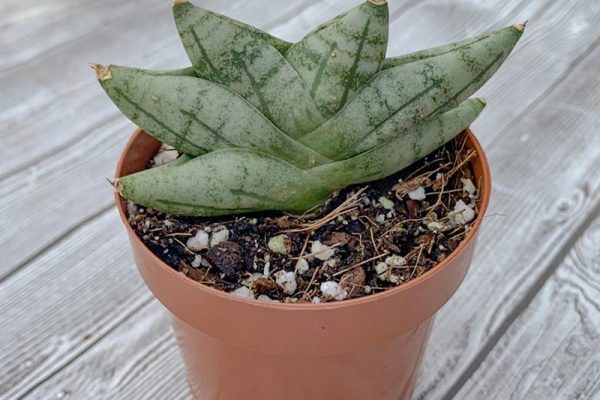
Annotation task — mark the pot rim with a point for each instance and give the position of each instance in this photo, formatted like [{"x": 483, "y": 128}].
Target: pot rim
[{"x": 484, "y": 199}]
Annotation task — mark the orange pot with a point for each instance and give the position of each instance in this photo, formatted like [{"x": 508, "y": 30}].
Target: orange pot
[{"x": 358, "y": 349}]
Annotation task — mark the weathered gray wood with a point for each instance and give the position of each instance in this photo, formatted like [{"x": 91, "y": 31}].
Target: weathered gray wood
[
  {"x": 67, "y": 299},
  {"x": 552, "y": 351},
  {"x": 545, "y": 188},
  {"x": 83, "y": 283},
  {"x": 46, "y": 130},
  {"x": 64, "y": 87}
]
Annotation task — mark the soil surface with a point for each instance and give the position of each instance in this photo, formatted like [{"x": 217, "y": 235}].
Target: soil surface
[{"x": 366, "y": 239}]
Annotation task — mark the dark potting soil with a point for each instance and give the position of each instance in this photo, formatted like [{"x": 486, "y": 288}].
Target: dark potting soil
[{"x": 367, "y": 238}]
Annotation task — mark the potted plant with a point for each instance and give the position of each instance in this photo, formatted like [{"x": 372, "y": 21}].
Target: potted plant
[{"x": 335, "y": 193}]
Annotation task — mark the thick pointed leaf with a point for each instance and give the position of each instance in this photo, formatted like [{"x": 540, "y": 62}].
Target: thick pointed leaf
[
  {"x": 436, "y": 51},
  {"x": 185, "y": 71},
  {"x": 398, "y": 98},
  {"x": 196, "y": 116},
  {"x": 225, "y": 182},
  {"x": 281, "y": 45},
  {"x": 389, "y": 158},
  {"x": 224, "y": 52},
  {"x": 340, "y": 56}
]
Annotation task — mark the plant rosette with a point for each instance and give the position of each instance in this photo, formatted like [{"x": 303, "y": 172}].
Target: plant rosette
[{"x": 291, "y": 174}]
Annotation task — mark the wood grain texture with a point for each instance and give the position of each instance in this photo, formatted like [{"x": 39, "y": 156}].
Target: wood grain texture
[
  {"x": 47, "y": 121},
  {"x": 552, "y": 351},
  {"x": 77, "y": 320},
  {"x": 545, "y": 190}
]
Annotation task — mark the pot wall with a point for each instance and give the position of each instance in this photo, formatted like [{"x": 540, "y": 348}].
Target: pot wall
[{"x": 366, "y": 348}]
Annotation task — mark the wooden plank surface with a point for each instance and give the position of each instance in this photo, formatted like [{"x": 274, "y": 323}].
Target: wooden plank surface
[
  {"x": 558, "y": 331},
  {"x": 77, "y": 320}
]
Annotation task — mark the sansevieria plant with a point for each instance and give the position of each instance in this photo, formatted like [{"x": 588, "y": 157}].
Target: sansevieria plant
[{"x": 265, "y": 124}]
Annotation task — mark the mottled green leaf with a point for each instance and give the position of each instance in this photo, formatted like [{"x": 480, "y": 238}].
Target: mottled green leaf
[
  {"x": 196, "y": 116},
  {"x": 224, "y": 52},
  {"x": 225, "y": 182},
  {"x": 398, "y": 98},
  {"x": 338, "y": 57},
  {"x": 389, "y": 158},
  {"x": 186, "y": 71},
  {"x": 436, "y": 51}
]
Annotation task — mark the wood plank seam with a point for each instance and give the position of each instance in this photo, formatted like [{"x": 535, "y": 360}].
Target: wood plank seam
[
  {"x": 67, "y": 145},
  {"x": 63, "y": 236},
  {"x": 127, "y": 315},
  {"x": 495, "y": 337},
  {"x": 553, "y": 86},
  {"x": 61, "y": 147}
]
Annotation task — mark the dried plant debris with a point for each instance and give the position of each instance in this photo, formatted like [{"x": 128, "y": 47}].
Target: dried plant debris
[{"x": 366, "y": 239}]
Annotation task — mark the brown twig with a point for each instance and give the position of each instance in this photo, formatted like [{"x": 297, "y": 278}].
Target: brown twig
[{"x": 359, "y": 264}]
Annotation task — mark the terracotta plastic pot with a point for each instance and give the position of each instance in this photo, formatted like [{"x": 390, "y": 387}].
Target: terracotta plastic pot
[{"x": 365, "y": 348}]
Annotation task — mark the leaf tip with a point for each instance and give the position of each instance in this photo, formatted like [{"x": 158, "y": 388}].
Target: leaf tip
[
  {"x": 177, "y": 2},
  {"x": 483, "y": 100},
  {"x": 103, "y": 72},
  {"x": 116, "y": 184},
  {"x": 378, "y": 2},
  {"x": 521, "y": 27}
]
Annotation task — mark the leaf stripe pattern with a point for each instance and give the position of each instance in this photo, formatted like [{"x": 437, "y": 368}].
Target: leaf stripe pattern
[
  {"x": 221, "y": 51},
  {"x": 393, "y": 100},
  {"x": 196, "y": 116},
  {"x": 267, "y": 125},
  {"x": 351, "y": 79},
  {"x": 338, "y": 57},
  {"x": 433, "y": 52},
  {"x": 180, "y": 140},
  {"x": 226, "y": 182},
  {"x": 381, "y": 133},
  {"x": 392, "y": 156}
]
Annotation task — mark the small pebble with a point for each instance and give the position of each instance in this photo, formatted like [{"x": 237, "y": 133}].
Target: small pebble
[
  {"x": 287, "y": 280},
  {"x": 321, "y": 251},
  {"x": 367, "y": 289},
  {"x": 395, "y": 261},
  {"x": 243, "y": 291},
  {"x": 333, "y": 290},
  {"x": 165, "y": 156},
  {"x": 131, "y": 209},
  {"x": 279, "y": 244},
  {"x": 316, "y": 300},
  {"x": 330, "y": 263},
  {"x": 436, "y": 226},
  {"x": 384, "y": 272},
  {"x": 302, "y": 266},
  {"x": 468, "y": 186},
  {"x": 197, "y": 261},
  {"x": 221, "y": 234},
  {"x": 386, "y": 203},
  {"x": 462, "y": 214},
  {"x": 266, "y": 299},
  {"x": 381, "y": 268},
  {"x": 198, "y": 242},
  {"x": 417, "y": 194},
  {"x": 380, "y": 218}
]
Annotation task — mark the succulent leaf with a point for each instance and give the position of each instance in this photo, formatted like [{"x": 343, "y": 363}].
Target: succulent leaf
[
  {"x": 229, "y": 181},
  {"x": 338, "y": 58},
  {"x": 224, "y": 52},
  {"x": 389, "y": 158},
  {"x": 197, "y": 116},
  {"x": 267, "y": 125},
  {"x": 436, "y": 51},
  {"x": 187, "y": 71},
  {"x": 281, "y": 45},
  {"x": 397, "y": 98},
  {"x": 234, "y": 181}
]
